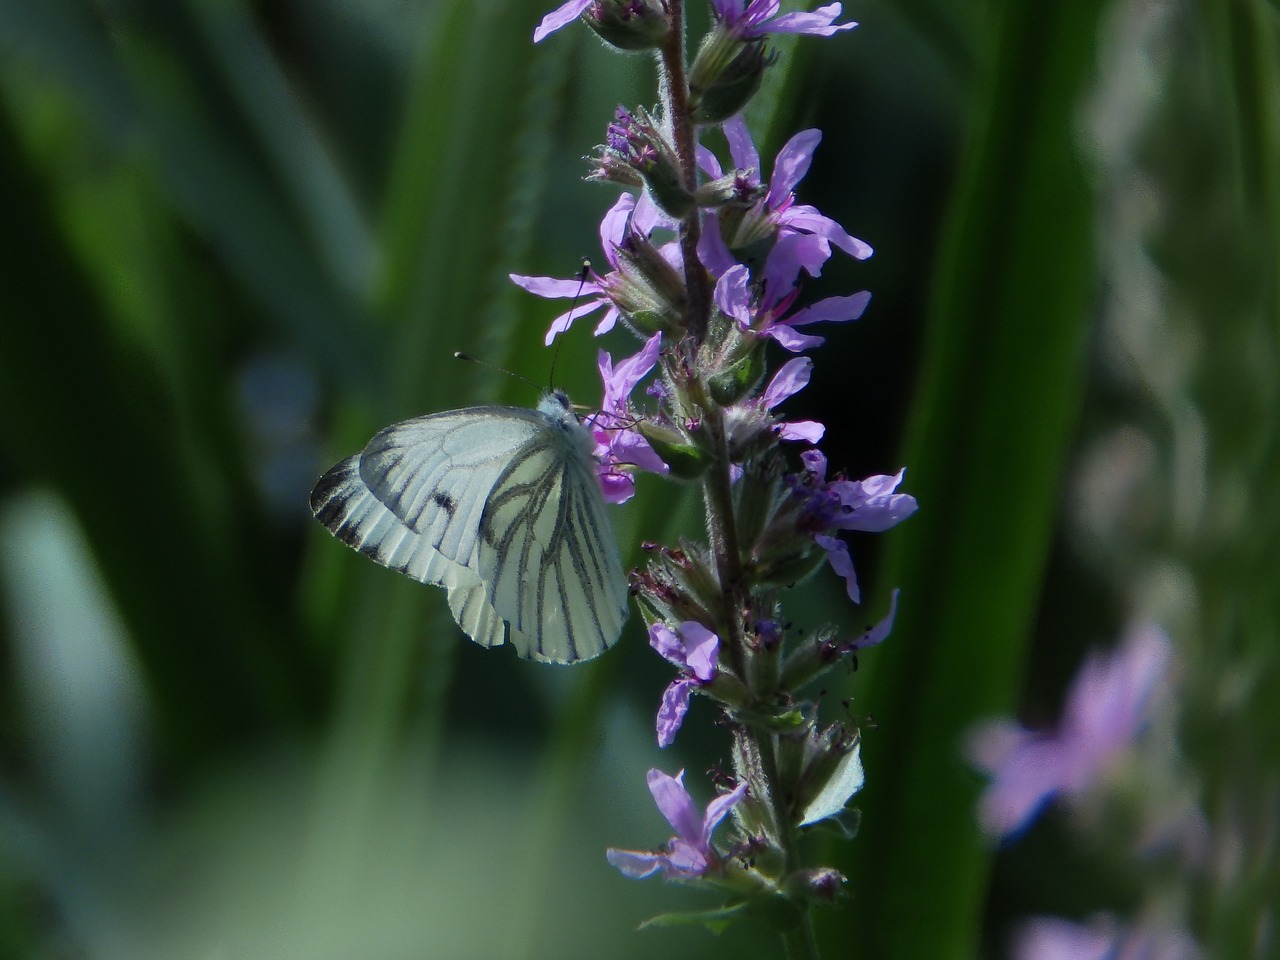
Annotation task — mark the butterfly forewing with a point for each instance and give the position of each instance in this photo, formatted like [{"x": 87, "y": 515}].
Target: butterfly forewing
[
  {"x": 501, "y": 507},
  {"x": 435, "y": 472}
]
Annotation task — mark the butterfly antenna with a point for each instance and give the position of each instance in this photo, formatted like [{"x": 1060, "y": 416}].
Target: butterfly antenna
[
  {"x": 583, "y": 272},
  {"x": 460, "y": 355}
]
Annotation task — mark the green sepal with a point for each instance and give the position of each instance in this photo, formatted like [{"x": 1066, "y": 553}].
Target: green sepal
[
  {"x": 731, "y": 384},
  {"x": 685, "y": 460},
  {"x": 717, "y": 921},
  {"x": 844, "y": 824},
  {"x": 786, "y": 571}
]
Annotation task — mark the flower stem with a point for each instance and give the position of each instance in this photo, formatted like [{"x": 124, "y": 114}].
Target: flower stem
[
  {"x": 675, "y": 89},
  {"x": 800, "y": 942}
]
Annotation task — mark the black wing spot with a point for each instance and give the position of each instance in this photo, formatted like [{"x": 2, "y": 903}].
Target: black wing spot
[{"x": 444, "y": 502}]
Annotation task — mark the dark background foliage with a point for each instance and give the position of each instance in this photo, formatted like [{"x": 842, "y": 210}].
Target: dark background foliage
[{"x": 239, "y": 237}]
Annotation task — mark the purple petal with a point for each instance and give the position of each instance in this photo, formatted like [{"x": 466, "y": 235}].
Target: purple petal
[
  {"x": 675, "y": 804},
  {"x": 808, "y": 220},
  {"x": 1051, "y": 938},
  {"x": 815, "y": 461},
  {"x": 671, "y": 710},
  {"x": 718, "y": 808},
  {"x": 1108, "y": 700},
  {"x": 832, "y": 309},
  {"x": 667, "y": 642},
  {"x": 559, "y": 17},
  {"x": 562, "y": 323},
  {"x": 841, "y": 563},
  {"x": 791, "y": 378},
  {"x": 791, "y": 164},
  {"x": 791, "y": 340},
  {"x": 880, "y": 632},
  {"x": 708, "y": 162},
  {"x": 606, "y": 323},
  {"x": 634, "y": 368},
  {"x": 792, "y": 253},
  {"x": 630, "y": 448},
  {"x": 741, "y": 148},
  {"x": 613, "y": 226},
  {"x": 1022, "y": 788},
  {"x": 617, "y": 487},
  {"x": 820, "y": 22},
  {"x": 712, "y": 250},
  {"x": 635, "y": 864},
  {"x": 701, "y": 647},
  {"x": 807, "y": 431},
  {"x": 554, "y": 289},
  {"x": 732, "y": 295},
  {"x": 685, "y": 860}
]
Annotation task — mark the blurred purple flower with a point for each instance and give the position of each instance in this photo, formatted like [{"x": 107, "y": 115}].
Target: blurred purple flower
[
  {"x": 754, "y": 19},
  {"x": 1105, "y": 710},
  {"x": 693, "y": 648},
  {"x": 618, "y": 443},
  {"x": 868, "y": 505},
  {"x": 1052, "y": 938},
  {"x": 689, "y": 853}
]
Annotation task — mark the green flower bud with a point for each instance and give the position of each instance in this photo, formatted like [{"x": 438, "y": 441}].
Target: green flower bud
[{"x": 628, "y": 24}]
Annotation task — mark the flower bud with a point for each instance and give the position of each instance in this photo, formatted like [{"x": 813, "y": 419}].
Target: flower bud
[
  {"x": 638, "y": 141},
  {"x": 725, "y": 75},
  {"x": 628, "y": 24},
  {"x": 819, "y": 885}
]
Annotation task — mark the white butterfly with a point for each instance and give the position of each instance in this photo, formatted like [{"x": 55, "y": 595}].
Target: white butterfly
[{"x": 502, "y": 508}]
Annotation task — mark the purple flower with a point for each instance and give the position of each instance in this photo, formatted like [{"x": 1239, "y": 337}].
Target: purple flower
[
  {"x": 753, "y": 19},
  {"x": 775, "y": 209},
  {"x": 1052, "y": 938},
  {"x": 693, "y": 648},
  {"x": 791, "y": 378},
  {"x": 619, "y": 445},
  {"x": 868, "y": 505},
  {"x": 1105, "y": 710},
  {"x": 625, "y": 217},
  {"x": 561, "y": 16},
  {"x": 689, "y": 854},
  {"x": 765, "y": 310}
]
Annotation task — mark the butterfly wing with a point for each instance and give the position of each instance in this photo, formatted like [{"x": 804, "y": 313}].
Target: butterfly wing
[
  {"x": 548, "y": 554},
  {"x": 422, "y": 498}
]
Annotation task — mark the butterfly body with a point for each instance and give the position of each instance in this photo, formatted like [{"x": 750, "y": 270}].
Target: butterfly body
[{"x": 500, "y": 506}]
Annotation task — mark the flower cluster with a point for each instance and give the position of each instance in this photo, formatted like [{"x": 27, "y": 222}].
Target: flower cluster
[
  {"x": 705, "y": 259},
  {"x": 1110, "y": 704}
]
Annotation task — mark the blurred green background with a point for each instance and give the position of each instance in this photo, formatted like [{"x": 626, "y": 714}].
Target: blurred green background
[{"x": 238, "y": 237}]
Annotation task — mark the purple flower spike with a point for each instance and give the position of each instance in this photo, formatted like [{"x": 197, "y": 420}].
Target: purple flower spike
[
  {"x": 689, "y": 854},
  {"x": 1105, "y": 710},
  {"x": 754, "y": 19},
  {"x": 561, "y": 16}
]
